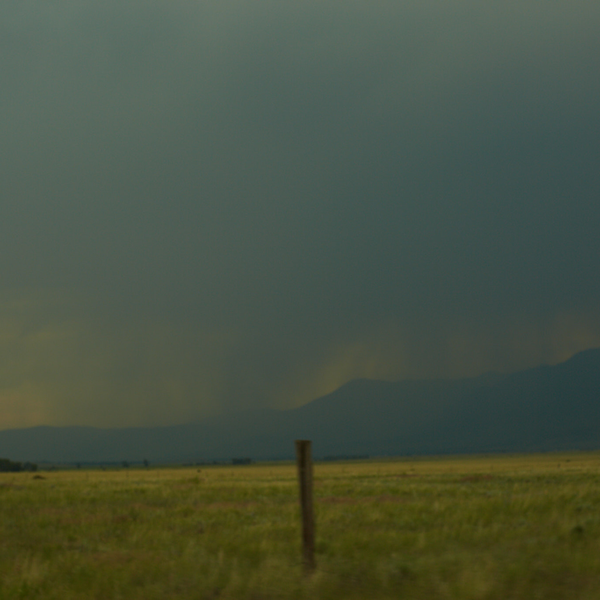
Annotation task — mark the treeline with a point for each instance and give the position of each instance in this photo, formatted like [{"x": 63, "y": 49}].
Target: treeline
[
  {"x": 13, "y": 467},
  {"x": 347, "y": 457}
]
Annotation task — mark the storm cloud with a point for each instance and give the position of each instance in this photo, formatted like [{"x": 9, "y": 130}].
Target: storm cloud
[{"x": 208, "y": 206}]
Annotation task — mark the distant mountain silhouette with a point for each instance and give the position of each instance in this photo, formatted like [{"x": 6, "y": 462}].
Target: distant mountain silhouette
[{"x": 545, "y": 408}]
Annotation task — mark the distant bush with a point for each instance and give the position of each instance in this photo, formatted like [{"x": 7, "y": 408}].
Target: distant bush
[{"x": 7, "y": 465}]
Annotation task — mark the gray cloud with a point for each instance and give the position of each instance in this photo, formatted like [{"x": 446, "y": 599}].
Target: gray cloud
[{"x": 249, "y": 203}]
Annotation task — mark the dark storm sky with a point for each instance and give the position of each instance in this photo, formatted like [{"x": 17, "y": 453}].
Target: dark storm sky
[{"x": 207, "y": 206}]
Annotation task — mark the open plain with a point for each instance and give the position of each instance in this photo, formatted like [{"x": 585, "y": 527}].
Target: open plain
[{"x": 476, "y": 528}]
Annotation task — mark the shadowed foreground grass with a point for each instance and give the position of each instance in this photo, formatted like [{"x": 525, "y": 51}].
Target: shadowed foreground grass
[{"x": 474, "y": 528}]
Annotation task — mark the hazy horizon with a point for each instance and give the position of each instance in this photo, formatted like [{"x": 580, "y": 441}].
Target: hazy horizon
[{"x": 209, "y": 206}]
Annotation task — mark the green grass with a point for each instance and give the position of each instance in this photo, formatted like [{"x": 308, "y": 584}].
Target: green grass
[{"x": 493, "y": 528}]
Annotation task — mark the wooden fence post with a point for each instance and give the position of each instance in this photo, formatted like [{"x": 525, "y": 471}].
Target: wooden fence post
[{"x": 305, "y": 479}]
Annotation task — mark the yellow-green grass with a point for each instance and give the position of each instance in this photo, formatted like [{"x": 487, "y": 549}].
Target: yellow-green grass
[{"x": 502, "y": 528}]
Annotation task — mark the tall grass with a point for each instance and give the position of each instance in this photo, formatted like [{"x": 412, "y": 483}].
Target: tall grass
[{"x": 492, "y": 528}]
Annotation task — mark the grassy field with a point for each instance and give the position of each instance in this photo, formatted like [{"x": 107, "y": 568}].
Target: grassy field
[{"x": 472, "y": 528}]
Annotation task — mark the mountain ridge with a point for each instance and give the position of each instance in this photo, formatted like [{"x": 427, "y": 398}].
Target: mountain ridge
[{"x": 544, "y": 408}]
